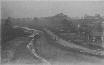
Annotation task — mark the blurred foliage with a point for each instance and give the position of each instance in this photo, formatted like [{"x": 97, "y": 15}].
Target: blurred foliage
[{"x": 9, "y": 33}]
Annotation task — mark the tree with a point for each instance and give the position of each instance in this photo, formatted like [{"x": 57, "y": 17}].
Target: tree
[
  {"x": 8, "y": 22},
  {"x": 68, "y": 25},
  {"x": 88, "y": 17}
]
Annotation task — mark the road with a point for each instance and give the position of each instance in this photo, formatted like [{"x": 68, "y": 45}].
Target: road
[
  {"x": 55, "y": 54},
  {"x": 46, "y": 52}
]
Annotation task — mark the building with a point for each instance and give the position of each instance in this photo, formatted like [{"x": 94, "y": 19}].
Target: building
[{"x": 91, "y": 30}]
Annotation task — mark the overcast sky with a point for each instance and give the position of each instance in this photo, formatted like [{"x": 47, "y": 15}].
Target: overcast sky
[{"x": 24, "y": 9}]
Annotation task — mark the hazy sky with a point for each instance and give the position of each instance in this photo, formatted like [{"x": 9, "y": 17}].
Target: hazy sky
[{"x": 25, "y": 9}]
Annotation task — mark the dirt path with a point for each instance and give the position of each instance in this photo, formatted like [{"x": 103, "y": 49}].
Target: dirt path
[
  {"x": 22, "y": 54},
  {"x": 56, "y": 55}
]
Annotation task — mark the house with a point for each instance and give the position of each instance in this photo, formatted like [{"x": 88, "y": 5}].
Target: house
[
  {"x": 90, "y": 29},
  {"x": 99, "y": 34}
]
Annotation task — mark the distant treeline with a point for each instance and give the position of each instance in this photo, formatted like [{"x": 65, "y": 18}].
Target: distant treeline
[{"x": 9, "y": 33}]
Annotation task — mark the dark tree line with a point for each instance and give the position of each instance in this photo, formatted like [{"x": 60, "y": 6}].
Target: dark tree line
[
  {"x": 8, "y": 32},
  {"x": 68, "y": 25}
]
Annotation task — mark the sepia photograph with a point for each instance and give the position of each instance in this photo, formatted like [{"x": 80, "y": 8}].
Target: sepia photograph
[{"x": 51, "y": 32}]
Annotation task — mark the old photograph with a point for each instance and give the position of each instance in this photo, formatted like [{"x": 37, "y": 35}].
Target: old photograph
[{"x": 52, "y": 32}]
